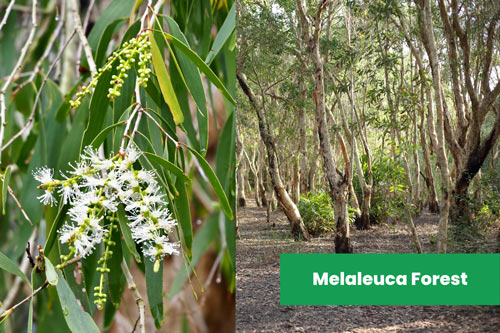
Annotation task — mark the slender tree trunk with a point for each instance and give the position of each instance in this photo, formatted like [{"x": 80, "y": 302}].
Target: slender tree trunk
[
  {"x": 427, "y": 31},
  {"x": 240, "y": 182},
  {"x": 298, "y": 229},
  {"x": 337, "y": 182},
  {"x": 429, "y": 177}
]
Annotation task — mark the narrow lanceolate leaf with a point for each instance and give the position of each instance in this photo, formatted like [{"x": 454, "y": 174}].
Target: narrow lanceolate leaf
[
  {"x": 184, "y": 213},
  {"x": 194, "y": 84},
  {"x": 154, "y": 281},
  {"x": 77, "y": 320},
  {"x": 8, "y": 265},
  {"x": 127, "y": 234},
  {"x": 224, "y": 34},
  {"x": 99, "y": 139},
  {"x": 5, "y": 187},
  {"x": 202, "y": 66},
  {"x": 52, "y": 277},
  {"x": 166, "y": 87},
  {"x": 214, "y": 181},
  {"x": 51, "y": 239},
  {"x": 157, "y": 160}
]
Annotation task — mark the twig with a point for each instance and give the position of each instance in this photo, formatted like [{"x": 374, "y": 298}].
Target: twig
[
  {"x": 25, "y": 264},
  {"x": 17, "y": 68},
  {"x": 136, "y": 127},
  {"x": 37, "y": 98},
  {"x": 19, "y": 205},
  {"x": 69, "y": 262},
  {"x": 161, "y": 128},
  {"x": 138, "y": 298},
  {"x": 9, "y": 311},
  {"x": 85, "y": 24},
  {"x": 45, "y": 54},
  {"x": 7, "y": 13},
  {"x": 127, "y": 126},
  {"x": 215, "y": 265},
  {"x": 83, "y": 39}
]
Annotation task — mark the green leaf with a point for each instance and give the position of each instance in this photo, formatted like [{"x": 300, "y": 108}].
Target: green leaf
[
  {"x": 166, "y": 87},
  {"x": 127, "y": 234},
  {"x": 194, "y": 84},
  {"x": 184, "y": 213},
  {"x": 224, "y": 34},
  {"x": 77, "y": 320},
  {"x": 100, "y": 57},
  {"x": 51, "y": 273},
  {"x": 154, "y": 281},
  {"x": 61, "y": 214},
  {"x": 8, "y": 265},
  {"x": 5, "y": 187},
  {"x": 155, "y": 159},
  {"x": 202, "y": 240},
  {"x": 202, "y": 66},
  {"x": 99, "y": 139},
  {"x": 115, "y": 10},
  {"x": 116, "y": 284},
  {"x": 97, "y": 110},
  {"x": 214, "y": 181}
]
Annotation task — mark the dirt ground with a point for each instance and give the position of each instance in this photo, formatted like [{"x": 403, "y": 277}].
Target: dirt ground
[{"x": 257, "y": 274}]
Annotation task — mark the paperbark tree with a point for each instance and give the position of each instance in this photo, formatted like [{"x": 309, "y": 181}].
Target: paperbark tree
[
  {"x": 298, "y": 229},
  {"x": 427, "y": 31},
  {"x": 311, "y": 28}
]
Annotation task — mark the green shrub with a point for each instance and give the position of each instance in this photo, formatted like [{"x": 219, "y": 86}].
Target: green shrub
[{"x": 317, "y": 213}]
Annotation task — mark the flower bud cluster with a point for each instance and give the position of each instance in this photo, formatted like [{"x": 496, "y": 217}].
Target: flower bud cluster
[
  {"x": 138, "y": 48},
  {"x": 95, "y": 189}
]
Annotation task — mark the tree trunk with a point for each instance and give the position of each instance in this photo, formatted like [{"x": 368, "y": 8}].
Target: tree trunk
[
  {"x": 240, "y": 182},
  {"x": 291, "y": 211},
  {"x": 427, "y": 31},
  {"x": 337, "y": 182}
]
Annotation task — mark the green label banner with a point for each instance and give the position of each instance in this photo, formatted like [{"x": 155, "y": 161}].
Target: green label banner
[{"x": 390, "y": 279}]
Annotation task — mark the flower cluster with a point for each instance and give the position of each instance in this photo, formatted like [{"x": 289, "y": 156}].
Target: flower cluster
[
  {"x": 138, "y": 48},
  {"x": 95, "y": 188}
]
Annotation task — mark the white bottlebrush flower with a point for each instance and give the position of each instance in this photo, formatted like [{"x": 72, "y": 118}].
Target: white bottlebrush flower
[
  {"x": 69, "y": 192},
  {"x": 47, "y": 198},
  {"x": 44, "y": 175},
  {"x": 161, "y": 247},
  {"x": 95, "y": 189},
  {"x": 79, "y": 169},
  {"x": 131, "y": 155},
  {"x": 110, "y": 204},
  {"x": 146, "y": 177},
  {"x": 94, "y": 181},
  {"x": 144, "y": 232}
]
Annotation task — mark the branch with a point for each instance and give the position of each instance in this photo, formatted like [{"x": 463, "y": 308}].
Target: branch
[
  {"x": 7, "y": 13},
  {"x": 37, "y": 98},
  {"x": 9, "y": 311},
  {"x": 83, "y": 39},
  {"x": 18, "y": 66},
  {"x": 137, "y": 296},
  {"x": 85, "y": 24},
  {"x": 19, "y": 205},
  {"x": 24, "y": 266}
]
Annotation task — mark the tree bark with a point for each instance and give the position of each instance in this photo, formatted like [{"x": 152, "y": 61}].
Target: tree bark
[
  {"x": 298, "y": 229},
  {"x": 427, "y": 31},
  {"x": 240, "y": 182},
  {"x": 337, "y": 181}
]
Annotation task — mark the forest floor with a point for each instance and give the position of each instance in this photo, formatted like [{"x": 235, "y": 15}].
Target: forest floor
[{"x": 258, "y": 294}]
